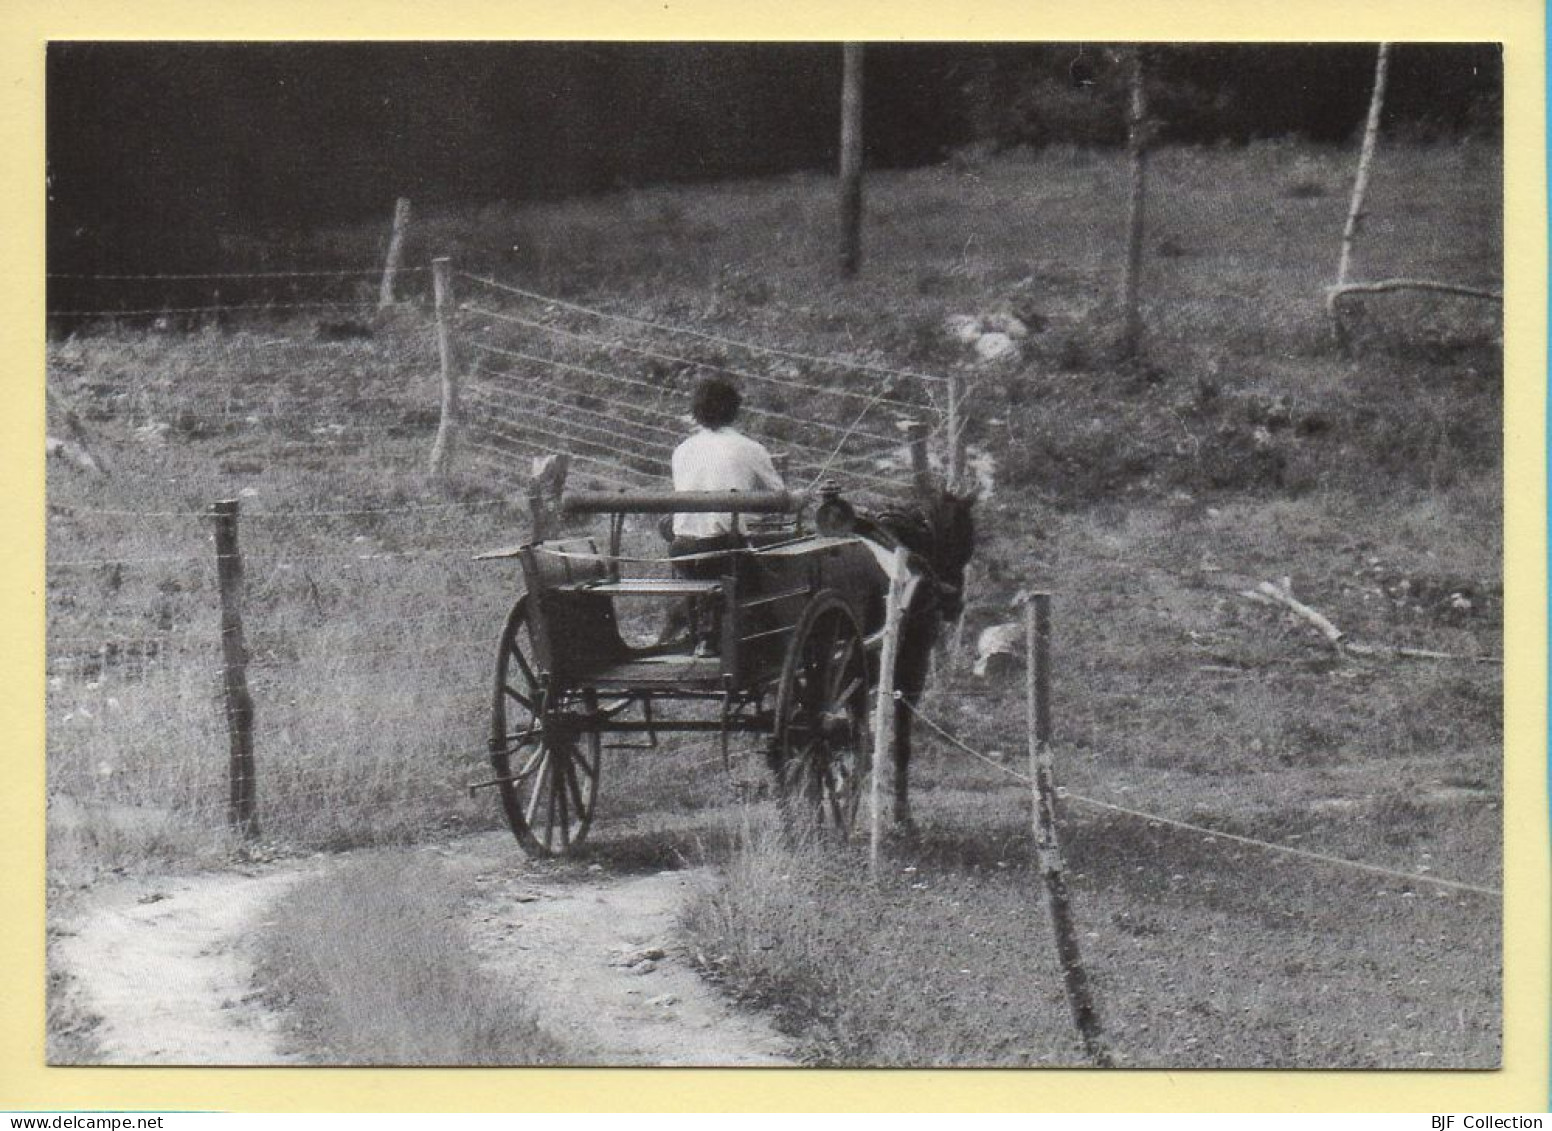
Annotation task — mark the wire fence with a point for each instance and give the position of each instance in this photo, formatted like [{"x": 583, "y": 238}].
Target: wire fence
[
  {"x": 954, "y": 742},
  {"x": 369, "y": 666},
  {"x": 224, "y": 299},
  {"x": 369, "y": 627},
  {"x": 614, "y": 390},
  {"x": 372, "y": 628}
]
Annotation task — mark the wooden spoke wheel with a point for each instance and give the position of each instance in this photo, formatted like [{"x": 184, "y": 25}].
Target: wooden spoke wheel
[
  {"x": 547, "y": 770},
  {"x": 822, "y": 744}
]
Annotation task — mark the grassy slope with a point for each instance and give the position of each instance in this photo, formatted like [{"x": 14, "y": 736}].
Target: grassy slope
[{"x": 1145, "y": 497}]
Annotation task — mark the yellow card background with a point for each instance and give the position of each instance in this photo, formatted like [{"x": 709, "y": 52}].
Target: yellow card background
[{"x": 25, "y": 1083}]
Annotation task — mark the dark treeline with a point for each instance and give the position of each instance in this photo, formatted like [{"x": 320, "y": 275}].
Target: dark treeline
[{"x": 155, "y": 150}]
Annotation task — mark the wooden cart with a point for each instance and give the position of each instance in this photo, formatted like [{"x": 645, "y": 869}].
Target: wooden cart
[{"x": 795, "y": 618}]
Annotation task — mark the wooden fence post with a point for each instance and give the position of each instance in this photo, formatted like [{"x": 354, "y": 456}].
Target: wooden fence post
[
  {"x": 921, "y": 472},
  {"x": 954, "y": 456},
  {"x": 242, "y": 808},
  {"x": 1137, "y": 150},
  {"x": 884, "y": 709},
  {"x": 446, "y": 437},
  {"x": 1037, "y": 683},
  {"x": 401, "y": 223},
  {"x": 851, "y": 159},
  {"x": 545, "y": 487}
]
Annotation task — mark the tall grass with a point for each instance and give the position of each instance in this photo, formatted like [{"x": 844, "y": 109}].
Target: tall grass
[
  {"x": 370, "y": 634},
  {"x": 372, "y": 964},
  {"x": 864, "y": 973},
  {"x": 1201, "y": 956}
]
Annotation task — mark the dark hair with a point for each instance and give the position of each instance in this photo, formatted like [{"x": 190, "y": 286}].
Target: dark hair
[{"x": 716, "y": 402}]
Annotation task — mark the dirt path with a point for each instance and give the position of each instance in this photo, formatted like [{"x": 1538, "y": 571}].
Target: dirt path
[
  {"x": 165, "y": 963},
  {"x": 601, "y": 958}
]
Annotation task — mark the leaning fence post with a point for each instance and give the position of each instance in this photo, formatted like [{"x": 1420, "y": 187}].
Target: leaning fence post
[
  {"x": 401, "y": 223},
  {"x": 916, "y": 438},
  {"x": 242, "y": 809},
  {"x": 884, "y": 709},
  {"x": 1037, "y": 687},
  {"x": 954, "y": 457},
  {"x": 446, "y": 437}
]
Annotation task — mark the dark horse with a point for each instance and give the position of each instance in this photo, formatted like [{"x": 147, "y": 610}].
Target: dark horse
[{"x": 939, "y": 535}]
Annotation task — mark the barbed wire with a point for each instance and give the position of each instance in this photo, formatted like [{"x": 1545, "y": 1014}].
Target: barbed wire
[
  {"x": 200, "y": 639},
  {"x": 637, "y": 445},
  {"x": 488, "y": 398},
  {"x": 160, "y": 641},
  {"x": 679, "y": 418},
  {"x": 491, "y": 452},
  {"x": 515, "y": 434},
  {"x": 216, "y": 710},
  {"x": 556, "y": 429},
  {"x": 757, "y": 410},
  {"x": 324, "y": 437},
  {"x": 243, "y": 308},
  {"x": 170, "y": 660},
  {"x": 1155, "y": 818},
  {"x": 259, "y": 561},
  {"x": 88, "y": 563},
  {"x": 280, "y": 515},
  {"x": 704, "y": 336},
  {"x": 782, "y": 443},
  {"x": 685, "y": 361},
  {"x": 318, "y": 274}
]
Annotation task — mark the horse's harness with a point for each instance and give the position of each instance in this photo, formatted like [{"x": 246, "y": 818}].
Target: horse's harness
[{"x": 916, "y": 534}]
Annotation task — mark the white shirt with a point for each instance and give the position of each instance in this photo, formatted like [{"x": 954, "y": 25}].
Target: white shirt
[{"x": 720, "y": 459}]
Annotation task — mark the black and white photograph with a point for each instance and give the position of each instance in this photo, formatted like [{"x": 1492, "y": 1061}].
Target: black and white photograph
[{"x": 775, "y": 554}]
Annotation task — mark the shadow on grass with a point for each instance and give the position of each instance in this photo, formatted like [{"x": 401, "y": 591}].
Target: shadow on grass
[
  {"x": 696, "y": 843},
  {"x": 1116, "y": 856}
]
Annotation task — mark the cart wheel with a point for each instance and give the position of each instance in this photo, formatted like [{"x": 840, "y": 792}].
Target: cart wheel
[
  {"x": 548, "y": 776},
  {"x": 821, "y": 741}
]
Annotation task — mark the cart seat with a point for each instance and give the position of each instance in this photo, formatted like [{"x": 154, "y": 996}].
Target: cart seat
[{"x": 574, "y": 629}]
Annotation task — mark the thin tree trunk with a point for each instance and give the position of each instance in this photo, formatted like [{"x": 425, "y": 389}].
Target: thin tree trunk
[
  {"x": 401, "y": 223},
  {"x": 851, "y": 160},
  {"x": 1371, "y": 133},
  {"x": 1137, "y": 151}
]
